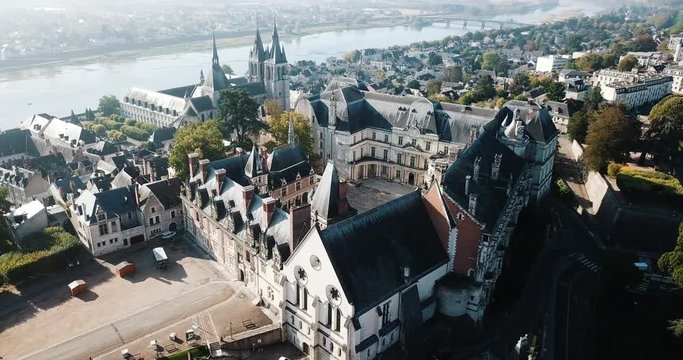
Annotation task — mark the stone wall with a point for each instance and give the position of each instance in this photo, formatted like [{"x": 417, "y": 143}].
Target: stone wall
[
  {"x": 577, "y": 150},
  {"x": 253, "y": 339},
  {"x": 600, "y": 193}
]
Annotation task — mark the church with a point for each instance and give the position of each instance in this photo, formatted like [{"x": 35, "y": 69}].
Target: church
[{"x": 176, "y": 107}]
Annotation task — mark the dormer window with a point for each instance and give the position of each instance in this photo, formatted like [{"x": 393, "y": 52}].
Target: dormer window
[{"x": 153, "y": 209}]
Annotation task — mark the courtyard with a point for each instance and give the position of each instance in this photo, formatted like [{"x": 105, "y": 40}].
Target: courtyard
[
  {"x": 43, "y": 321},
  {"x": 371, "y": 193}
]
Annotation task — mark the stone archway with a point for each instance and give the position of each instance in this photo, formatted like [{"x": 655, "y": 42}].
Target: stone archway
[
  {"x": 173, "y": 227},
  {"x": 411, "y": 179}
]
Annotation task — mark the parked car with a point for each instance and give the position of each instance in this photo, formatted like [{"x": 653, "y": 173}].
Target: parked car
[{"x": 168, "y": 234}]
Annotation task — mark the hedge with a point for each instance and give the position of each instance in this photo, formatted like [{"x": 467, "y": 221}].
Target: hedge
[
  {"x": 117, "y": 135},
  {"x": 563, "y": 190},
  {"x": 49, "y": 251},
  {"x": 135, "y": 132},
  {"x": 647, "y": 185},
  {"x": 200, "y": 351}
]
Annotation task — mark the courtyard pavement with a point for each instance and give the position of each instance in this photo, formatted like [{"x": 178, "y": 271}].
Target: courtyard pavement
[{"x": 370, "y": 193}]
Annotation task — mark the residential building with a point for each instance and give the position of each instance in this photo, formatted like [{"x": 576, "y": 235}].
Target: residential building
[
  {"x": 646, "y": 58},
  {"x": 368, "y": 134},
  {"x": 631, "y": 88},
  {"x": 26, "y": 220},
  {"x": 552, "y": 63},
  {"x": 24, "y": 185},
  {"x": 161, "y": 207},
  {"x": 567, "y": 75}
]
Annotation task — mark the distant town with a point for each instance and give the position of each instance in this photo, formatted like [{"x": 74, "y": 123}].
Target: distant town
[{"x": 510, "y": 193}]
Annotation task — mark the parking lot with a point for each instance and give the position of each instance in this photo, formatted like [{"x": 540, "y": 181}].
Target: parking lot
[{"x": 43, "y": 321}]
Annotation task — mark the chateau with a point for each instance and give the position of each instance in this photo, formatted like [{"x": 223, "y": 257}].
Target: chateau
[{"x": 176, "y": 107}]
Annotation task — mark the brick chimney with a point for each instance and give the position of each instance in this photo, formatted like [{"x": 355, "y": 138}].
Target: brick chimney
[
  {"x": 220, "y": 179},
  {"x": 343, "y": 200},
  {"x": 193, "y": 160},
  {"x": 247, "y": 193},
  {"x": 468, "y": 180},
  {"x": 204, "y": 169},
  {"x": 136, "y": 192},
  {"x": 299, "y": 224},
  {"x": 495, "y": 167},
  {"x": 268, "y": 210}
]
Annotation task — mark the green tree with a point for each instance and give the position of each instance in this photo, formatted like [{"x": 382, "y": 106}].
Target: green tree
[
  {"x": 273, "y": 107},
  {"x": 279, "y": 128},
  {"x": 664, "y": 137},
  {"x": 99, "y": 129},
  {"x": 627, "y": 63},
  {"x": 4, "y": 203},
  {"x": 611, "y": 135},
  {"x": 73, "y": 118},
  {"x": 109, "y": 105},
  {"x": 672, "y": 263},
  {"x": 555, "y": 91},
  {"x": 593, "y": 99},
  {"x": 380, "y": 75},
  {"x": 577, "y": 127},
  {"x": 484, "y": 88},
  {"x": 589, "y": 62},
  {"x": 452, "y": 74},
  {"x": 238, "y": 115},
  {"x": 228, "y": 70},
  {"x": 520, "y": 83},
  {"x": 413, "y": 84},
  {"x": 202, "y": 137},
  {"x": 433, "y": 87},
  {"x": 468, "y": 98},
  {"x": 491, "y": 61},
  {"x": 434, "y": 59},
  {"x": 89, "y": 115}
]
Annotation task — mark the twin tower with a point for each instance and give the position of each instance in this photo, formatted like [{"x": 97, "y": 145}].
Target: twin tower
[{"x": 270, "y": 66}]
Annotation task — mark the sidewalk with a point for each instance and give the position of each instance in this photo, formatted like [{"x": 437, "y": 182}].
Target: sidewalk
[{"x": 572, "y": 172}]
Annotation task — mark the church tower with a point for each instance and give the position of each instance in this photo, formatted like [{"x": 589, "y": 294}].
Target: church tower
[
  {"x": 276, "y": 79},
  {"x": 257, "y": 56}
]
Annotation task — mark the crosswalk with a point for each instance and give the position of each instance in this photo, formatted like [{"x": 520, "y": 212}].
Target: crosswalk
[{"x": 586, "y": 262}]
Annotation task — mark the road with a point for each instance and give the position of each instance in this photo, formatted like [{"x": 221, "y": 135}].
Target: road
[{"x": 117, "y": 333}]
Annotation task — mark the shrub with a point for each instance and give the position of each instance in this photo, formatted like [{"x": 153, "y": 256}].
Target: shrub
[
  {"x": 47, "y": 251},
  {"x": 130, "y": 122},
  {"x": 563, "y": 190},
  {"x": 144, "y": 126},
  {"x": 649, "y": 185},
  {"x": 613, "y": 169},
  {"x": 111, "y": 124},
  {"x": 117, "y": 135},
  {"x": 99, "y": 129},
  {"x": 135, "y": 132},
  {"x": 117, "y": 118}
]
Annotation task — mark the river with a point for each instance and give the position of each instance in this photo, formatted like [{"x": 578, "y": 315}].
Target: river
[{"x": 57, "y": 89}]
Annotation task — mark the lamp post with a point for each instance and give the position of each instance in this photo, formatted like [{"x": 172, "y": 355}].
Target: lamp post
[{"x": 231, "y": 331}]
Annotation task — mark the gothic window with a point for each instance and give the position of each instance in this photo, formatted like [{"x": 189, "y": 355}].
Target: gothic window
[{"x": 333, "y": 294}]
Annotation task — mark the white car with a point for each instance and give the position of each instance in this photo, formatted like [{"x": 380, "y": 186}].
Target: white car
[{"x": 168, "y": 234}]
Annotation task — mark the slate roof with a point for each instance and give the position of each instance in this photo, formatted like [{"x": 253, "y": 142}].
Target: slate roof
[
  {"x": 537, "y": 118},
  {"x": 16, "y": 141},
  {"x": 492, "y": 194},
  {"x": 162, "y": 134},
  {"x": 234, "y": 169},
  {"x": 201, "y": 103},
  {"x": 166, "y": 191},
  {"x": 113, "y": 202},
  {"x": 285, "y": 163},
  {"x": 325, "y": 201},
  {"x": 70, "y": 185},
  {"x": 159, "y": 99},
  {"x": 356, "y": 109},
  {"x": 253, "y": 88},
  {"x": 180, "y": 92},
  {"x": 369, "y": 250}
]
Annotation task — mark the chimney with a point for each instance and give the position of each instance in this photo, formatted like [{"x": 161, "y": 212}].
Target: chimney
[
  {"x": 495, "y": 167},
  {"x": 136, "y": 189},
  {"x": 299, "y": 223},
  {"x": 268, "y": 210},
  {"x": 343, "y": 205},
  {"x": 475, "y": 174},
  {"x": 204, "y": 169},
  {"x": 468, "y": 180},
  {"x": 220, "y": 179},
  {"x": 239, "y": 151},
  {"x": 472, "y": 206},
  {"x": 193, "y": 159},
  {"x": 247, "y": 193},
  {"x": 405, "y": 273},
  {"x": 519, "y": 129}
]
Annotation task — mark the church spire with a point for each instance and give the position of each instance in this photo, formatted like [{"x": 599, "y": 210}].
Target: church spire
[
  {"x": 215, "y": 50},
  {"x": 291, "y": 135}
]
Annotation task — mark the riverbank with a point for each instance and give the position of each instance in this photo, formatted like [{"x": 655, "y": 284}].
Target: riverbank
[{"x": 190, "y": 44}]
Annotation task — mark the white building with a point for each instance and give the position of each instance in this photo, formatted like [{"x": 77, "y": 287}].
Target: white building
[
  {"x": 676, "y": 74},
  {"x": 358, "y": 287},
  {"x": 645, "y": 58},
  {"x": 367, "y": 134},
  {"x": 631, "y": 88},
  {"x": 552, "y": 63}
]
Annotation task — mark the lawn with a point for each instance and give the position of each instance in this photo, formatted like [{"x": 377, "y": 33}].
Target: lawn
[
  {"x": 195, "y": 352},
  {"x": 650, "y": 185}
]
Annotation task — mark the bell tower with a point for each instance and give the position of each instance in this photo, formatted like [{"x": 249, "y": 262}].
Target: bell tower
[
  {"x": 257, "y": 56},
  {"x": 276, "y": 78}
]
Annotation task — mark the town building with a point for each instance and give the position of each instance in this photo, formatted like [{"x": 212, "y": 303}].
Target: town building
[
  {"x": 176, "y": 107},
  {"x": 676, "y": 74},
  {"x": 362, "y": 285},
  {"x": 368, "y": 134},
  {"x": 567, "y": 75},
  {"x": 646, "y": 58},
  {"x": 552, "y": 63},
  {"x": 632, "y": 89}
]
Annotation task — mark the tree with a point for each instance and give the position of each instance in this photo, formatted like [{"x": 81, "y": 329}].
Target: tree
[
  {"x": 413, "y": 84},
  {"x": 452, "y": 74},
  {"x": 520, "y": 83},
  {"x": 89, "y": 115},
  {"x": 627, "y": 63},
  {"x": 228, "y": 70},
  {"x": 555, "y": 91},
  {"x": 665, "y": 135},
  {"x": 352, "y": 56},
  {"x": 491, "y": 61},
  {"x": 434, "y": 59},
  {"x": 380, "y": 75},
  {"x": 593, "y": 99},
  {"x": 279, "y": 128},
  {"x": 202, "y": 137},
  {"x": 273, "y": 107},
  {"x": 589, "y": 62},
  {"x": 672, "y": 263},
  {"x": 433, "y": 87},
  {"x": 530, "y": 46},
  {"x": 73, "y": 118},
  {"x": 577, "y": 127},
  {"x": 4, "y": 203},
  {"x": 99, "y": 129},
  {"x": 468, "y": 98},
  {"x": 484, "y": 88},
  {"x": 611, "y": 135},
  {"x": 109, "y": 105},
  {"x": 238, "y": 115}
]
